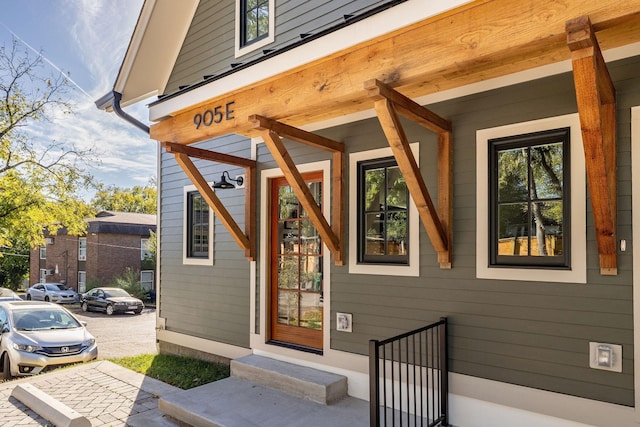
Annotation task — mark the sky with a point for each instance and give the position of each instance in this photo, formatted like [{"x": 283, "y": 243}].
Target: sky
[{"x": 86, "y": 40}]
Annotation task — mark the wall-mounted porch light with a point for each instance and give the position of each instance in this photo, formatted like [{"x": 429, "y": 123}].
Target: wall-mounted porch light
[{"x": 224, "y": 182}]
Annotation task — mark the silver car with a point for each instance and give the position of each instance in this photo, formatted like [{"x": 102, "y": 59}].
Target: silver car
[
  {"x": 54, "y": 292},
  {"x": 35, "y": 336}
]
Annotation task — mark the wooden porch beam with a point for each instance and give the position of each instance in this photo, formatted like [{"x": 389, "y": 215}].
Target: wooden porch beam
[
  {"x": 213, "y": 156},
  {"x": 294, "y": 178},
  {"x": 295, "y": 134},
  {"x": 407, "y": 107},
  {"x": 438, "y": 223},
  {"x": 446, "y": 51},
  {"x": 415, "y": 183},
  {"x": 596, "y": 100}
]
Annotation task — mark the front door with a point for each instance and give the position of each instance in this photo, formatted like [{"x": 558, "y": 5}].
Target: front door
[{"x": 296, "y": 267}]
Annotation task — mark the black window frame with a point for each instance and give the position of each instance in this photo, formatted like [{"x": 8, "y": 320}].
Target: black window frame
[
  {"x": 363, "y": 258},
  {"x": 244, "y": 40},
  {"x": 201, "y": 252},
  {"x": 527, "y": 141}
]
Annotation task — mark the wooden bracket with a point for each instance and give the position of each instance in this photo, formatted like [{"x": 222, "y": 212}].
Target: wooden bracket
[
  {"x": 272, "y": 133},
  {"x": 246, "y": 240},
  {"x": 438, "y": 224},
  {"x": 596, "y": 100}
]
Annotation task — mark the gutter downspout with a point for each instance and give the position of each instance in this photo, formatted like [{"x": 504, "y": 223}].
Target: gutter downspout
[{"x": 112, "y": 100}]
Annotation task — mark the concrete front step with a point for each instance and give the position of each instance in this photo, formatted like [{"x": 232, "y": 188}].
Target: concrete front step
[
  {"x": 299, "y": 381},
  {"x": 234, "y": 402}
]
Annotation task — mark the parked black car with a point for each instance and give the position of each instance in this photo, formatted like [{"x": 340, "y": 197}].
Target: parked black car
[{"x": 111, "y": 300}]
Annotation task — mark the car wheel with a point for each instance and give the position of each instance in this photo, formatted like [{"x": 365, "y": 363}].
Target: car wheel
[
  {"x": 85, "y": 306},
  {"x": 28, "y": 297},
  {"x": 137, "y": 312},
  {"x": 46, "y": 299},
  {"x": 6, "y": 368},
  {"x": 109, "y": 310}
]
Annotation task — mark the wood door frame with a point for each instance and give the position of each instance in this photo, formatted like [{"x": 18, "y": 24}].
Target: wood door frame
[{"x": 290, "y": 335}]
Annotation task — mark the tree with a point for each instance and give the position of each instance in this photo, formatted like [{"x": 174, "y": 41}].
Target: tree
[
  {"x": 39, "y": 179},
  {"x": 136, "y": 199},
  {"x": 14, "y": 265}
]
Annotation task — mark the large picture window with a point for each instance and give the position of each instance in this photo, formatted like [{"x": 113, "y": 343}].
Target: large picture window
[
  {"x": 531, "y": 201},
  {"x": 383, "y": 201},
  {"x": 529, "y": 207}
]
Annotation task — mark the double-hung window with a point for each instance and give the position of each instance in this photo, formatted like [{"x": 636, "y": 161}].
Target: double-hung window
[
  {"x": 82, "y": 249},
  {"x": 529, "y": 206},
  {"x": 198, "y": 226}
]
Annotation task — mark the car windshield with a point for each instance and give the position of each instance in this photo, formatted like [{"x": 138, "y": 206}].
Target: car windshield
[
  {"x": 116, "y": 293},
  {"x": 54, "y": 288},
  {"x": 40, "y": 319},
  {"x": 62, "y": 287}
]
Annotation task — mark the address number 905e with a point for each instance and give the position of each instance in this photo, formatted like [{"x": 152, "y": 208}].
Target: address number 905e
[{"x": 213, "y": 116}]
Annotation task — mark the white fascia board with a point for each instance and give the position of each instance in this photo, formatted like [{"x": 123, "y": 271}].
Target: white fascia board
[
  {"x": 395, "y": 18},
  {"x": 154, "y": 48}
]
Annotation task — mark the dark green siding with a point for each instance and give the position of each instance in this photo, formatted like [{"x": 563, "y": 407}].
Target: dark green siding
[
  {"x": 210, "y": 302},
  {"x": 528, "y": 333}
]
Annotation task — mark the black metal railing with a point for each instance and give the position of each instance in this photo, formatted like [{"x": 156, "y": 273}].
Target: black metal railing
[{"x": 408, "y": 378}]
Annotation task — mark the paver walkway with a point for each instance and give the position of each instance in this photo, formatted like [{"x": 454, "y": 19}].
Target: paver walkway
[{"x": 107, "y": 394}]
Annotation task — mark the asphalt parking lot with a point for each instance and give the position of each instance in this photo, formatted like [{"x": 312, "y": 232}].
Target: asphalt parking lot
[{"x": 121, "y": 335}]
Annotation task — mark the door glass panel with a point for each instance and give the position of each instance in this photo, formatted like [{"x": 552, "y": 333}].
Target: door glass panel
[
  {"x": 288, "y": 308},
  {"x": 288, "y": 273},
  {"x": 298, "y": 291},
  {"x": 310, "y": 310}
]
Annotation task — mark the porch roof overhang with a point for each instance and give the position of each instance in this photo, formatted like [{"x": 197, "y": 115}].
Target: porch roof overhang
[{"x": 444, "y": 52}]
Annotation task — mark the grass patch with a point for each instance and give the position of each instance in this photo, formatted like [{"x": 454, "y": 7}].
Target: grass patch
[{"x": 179, "y": 371}]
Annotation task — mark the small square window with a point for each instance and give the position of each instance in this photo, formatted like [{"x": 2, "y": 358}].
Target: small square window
[{"x": 255, "y": 25}]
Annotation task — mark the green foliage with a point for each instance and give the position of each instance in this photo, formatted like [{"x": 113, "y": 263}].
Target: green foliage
[
  {"x": 14, "y": 265},
  {"x": 179, "y": 371},
  {"x": 39, "y": 180},
  {"x": 129, "y": 280},
  {"x": 136, "y": 199}
]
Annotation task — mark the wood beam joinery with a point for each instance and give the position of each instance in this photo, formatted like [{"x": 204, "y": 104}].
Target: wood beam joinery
[
  {"x": 596, "y": 98},
  {"x": 246, "y": 240},
  {"x": 272, "y": 132},
  {"x": 437, "y": 222}
]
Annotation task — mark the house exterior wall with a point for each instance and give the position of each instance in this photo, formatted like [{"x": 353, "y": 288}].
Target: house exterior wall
[
  {"x": 108, "y": 256},
  {"x": 63, "y": 253},
  {"x": 204, "y": 301},
  {"x": 525, "y": 333},
  {"x": 520, "y": 332}
]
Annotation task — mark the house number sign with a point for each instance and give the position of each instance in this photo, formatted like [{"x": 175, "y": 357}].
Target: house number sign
[{"x": 214, "y": 115}]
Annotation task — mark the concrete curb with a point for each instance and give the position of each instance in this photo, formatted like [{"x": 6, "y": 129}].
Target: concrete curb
[{"x": 48, "y": 407}]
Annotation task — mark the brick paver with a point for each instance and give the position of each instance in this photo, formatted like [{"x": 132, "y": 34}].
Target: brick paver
[{"x": 105, "y": 393}]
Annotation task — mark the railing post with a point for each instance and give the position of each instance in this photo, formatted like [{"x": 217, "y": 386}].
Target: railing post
[
  {"x": 374, "y": 381},
  {"x": 444, "y": 373}
]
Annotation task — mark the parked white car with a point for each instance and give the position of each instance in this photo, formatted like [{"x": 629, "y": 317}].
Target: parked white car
[
  {"x": 38, "y": 335},
  {"x": 52, "y": 292}
]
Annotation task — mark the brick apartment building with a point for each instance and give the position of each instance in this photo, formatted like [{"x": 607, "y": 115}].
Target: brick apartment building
[{"x": 114, "y": 241}]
